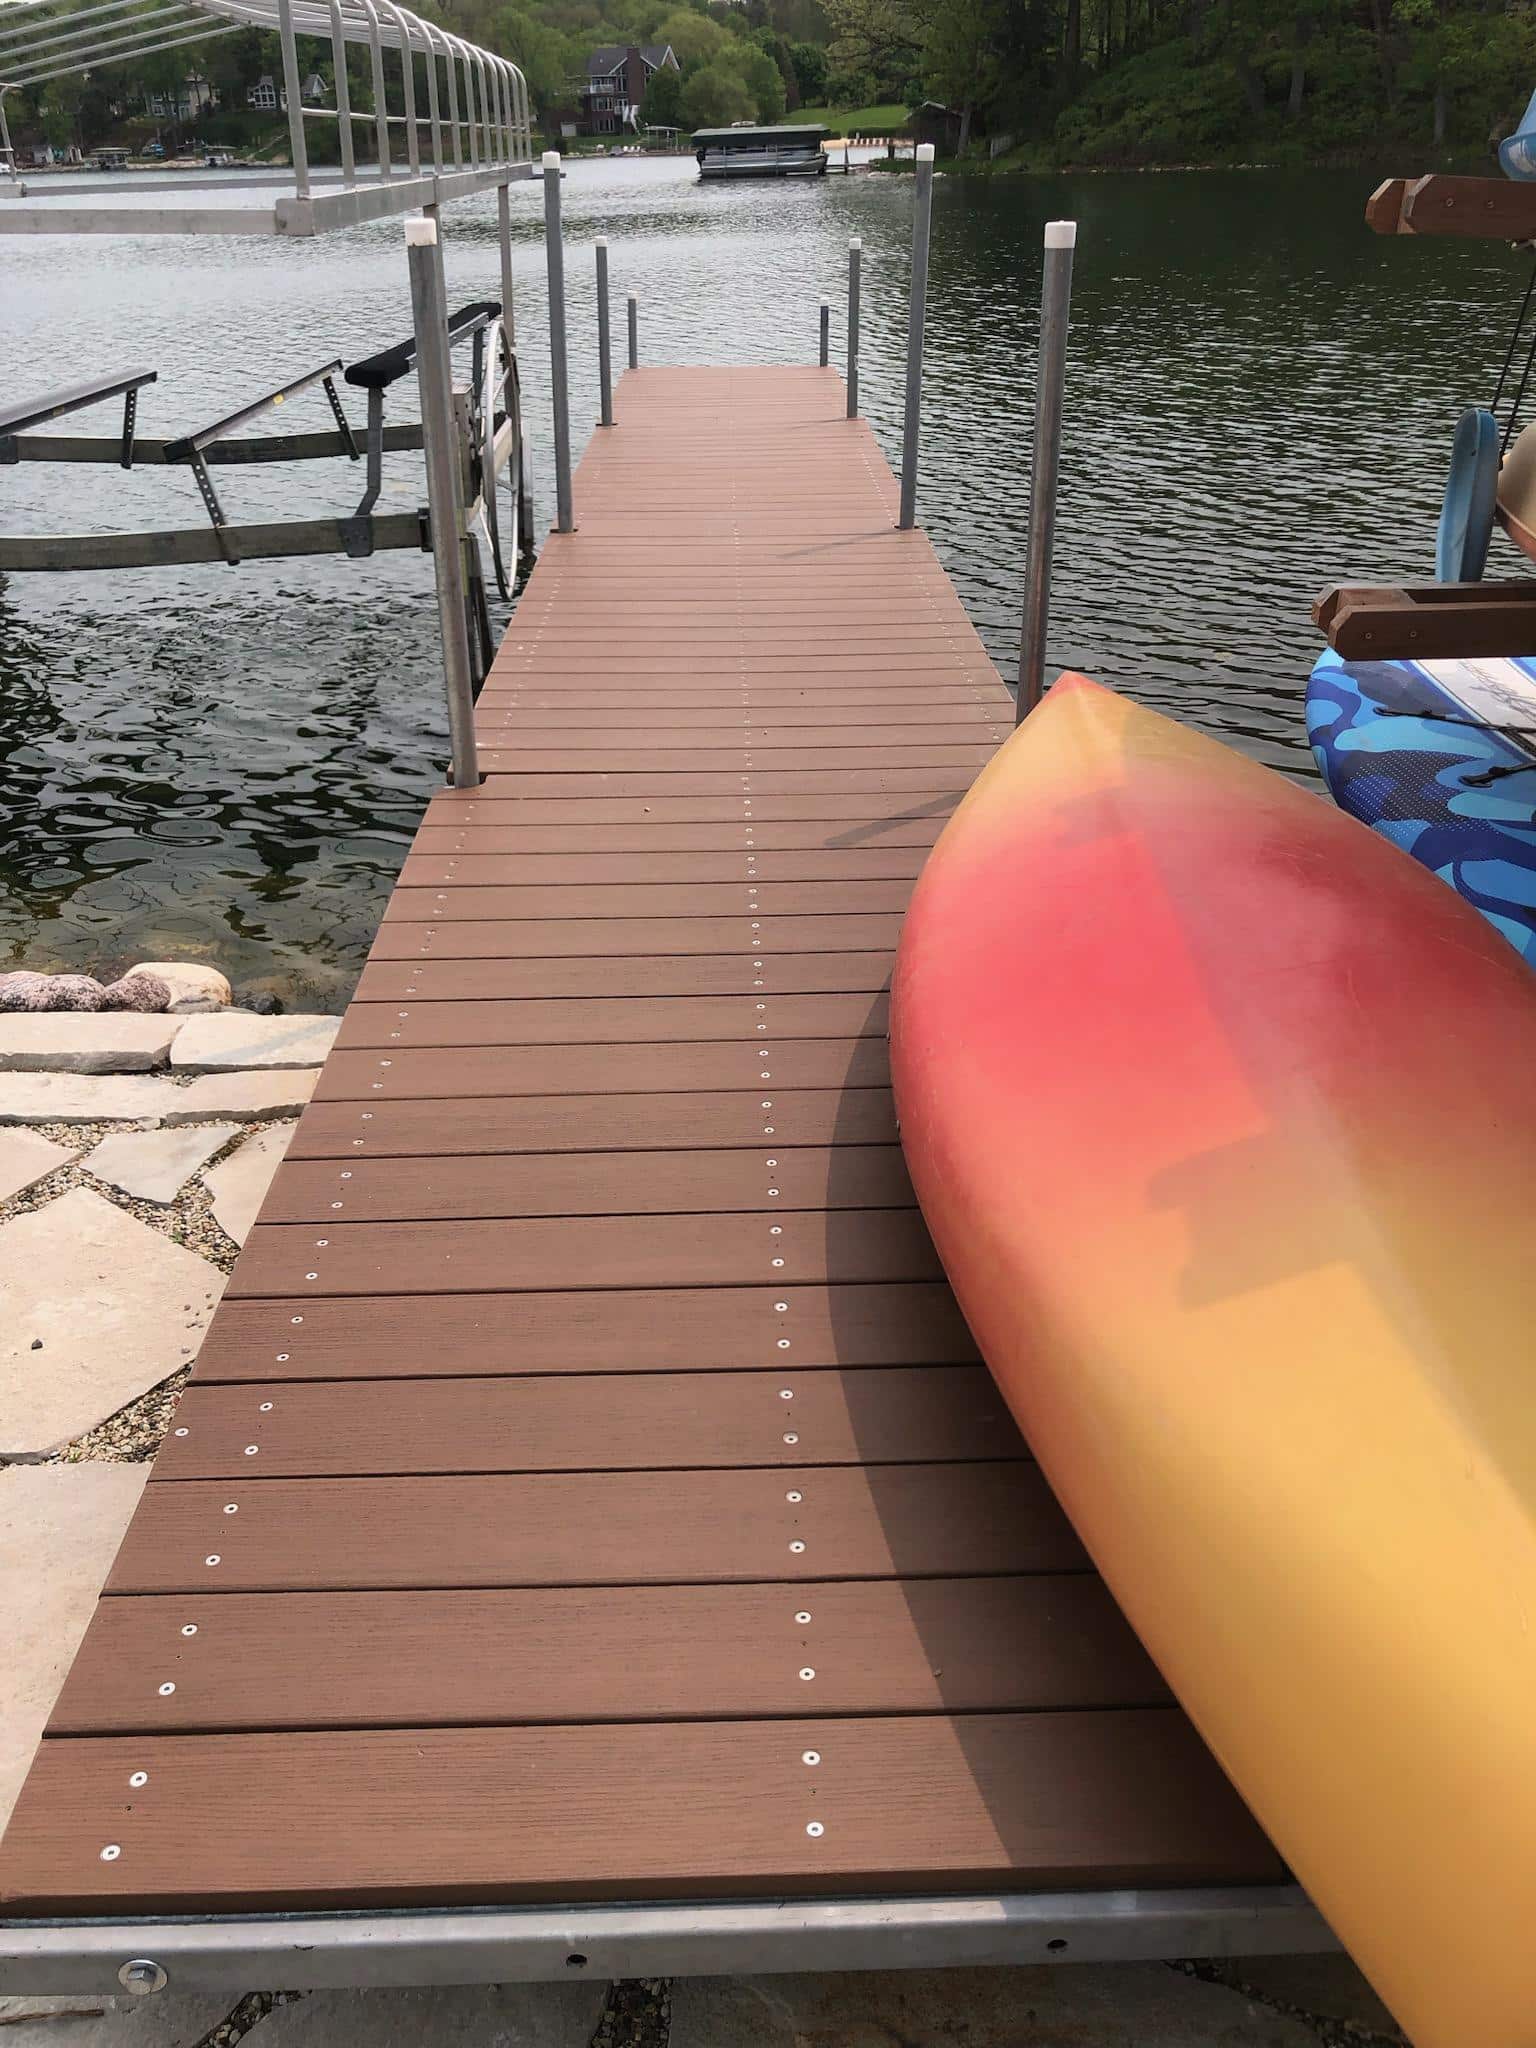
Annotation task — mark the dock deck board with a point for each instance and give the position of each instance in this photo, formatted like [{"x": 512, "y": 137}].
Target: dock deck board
[{"x": 587, "y": 1488}]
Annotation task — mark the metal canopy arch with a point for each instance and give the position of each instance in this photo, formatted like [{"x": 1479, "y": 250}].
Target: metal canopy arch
[{"x": 485, "y": 139}]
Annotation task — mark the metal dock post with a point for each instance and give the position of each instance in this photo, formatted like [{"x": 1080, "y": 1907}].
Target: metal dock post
[
  {"x": 826, "y": 333},
  {"x": 634, "y": 332},
  {"x": 560, "y": 395},
  {"x": 434, "y": 376},
  {"x": 855, "y": 264},
  {"x": 1050, "y": 380},
  {"x": 922, "y": 210},
  {"x": 504, "y": 237},
  {"x": 604, "y": 349}
]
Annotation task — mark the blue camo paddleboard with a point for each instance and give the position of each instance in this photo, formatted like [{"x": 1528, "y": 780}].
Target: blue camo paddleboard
[{"x": 1440, "y": 756}]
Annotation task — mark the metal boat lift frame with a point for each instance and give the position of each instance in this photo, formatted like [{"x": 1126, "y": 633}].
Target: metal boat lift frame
[{"x": 477, "y": 120}]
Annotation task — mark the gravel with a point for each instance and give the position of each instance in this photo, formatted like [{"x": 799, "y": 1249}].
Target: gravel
[{"x": 132, "y": 1435}]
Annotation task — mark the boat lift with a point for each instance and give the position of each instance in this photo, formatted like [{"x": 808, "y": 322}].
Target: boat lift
[
  {"x": 464, "y": 117},
  {"x": 490, "y": 449}
]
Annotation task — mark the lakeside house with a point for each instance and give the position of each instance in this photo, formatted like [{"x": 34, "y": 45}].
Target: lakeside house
[
  {"x": 267, "y": 97},
  {"x": 616, "y": 78},
  {"x": 183, "y": 102}
]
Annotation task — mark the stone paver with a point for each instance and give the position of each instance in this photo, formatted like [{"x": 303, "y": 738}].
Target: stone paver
[
  {"x": 98, "y": 1309},
  {"x": 110, "y": 1042},
  {"x": 248, "y": 1098},
  {"x": 1126, "y": 2005},
  {"x": 239, "y": 1183},
  {"x": 155, "y": 1166},
  {"x": 60, "y": 1526},
  {"x": 26, "y": 1157},
  {"x": 457, "y": 2016},
  {"x": 85, "y": 1098},
  {"x": 218, "y": 1044},
  {"x": 168, "y": 2020}
]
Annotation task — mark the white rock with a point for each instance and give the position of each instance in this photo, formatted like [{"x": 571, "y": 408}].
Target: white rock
[
  {"x": 190, "y": 983},
  {"x": 249, "y": 1098},
  {"x": 111, "y": 1306},
  {"x": 26, "y": 1157},
  {"x": 66, "y": 1042},
  {"x": 85, "y": 1098},
  {"x": 239, "y": 1183},
  {"x": 60, "y": 1526},
  {"x": 156, "y": 1165},
  {"x": 224, "y": 1045}
]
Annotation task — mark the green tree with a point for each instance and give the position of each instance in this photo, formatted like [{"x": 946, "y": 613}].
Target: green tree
[
  {"x": 662, "y": 106},
  {"x": 812, "y": 70},
  {"x": 880, "y": 39},
  {"x": 715, "y": 96},
  {"x": 763, "y": 82},
  {"x": 695, "y": 39}
]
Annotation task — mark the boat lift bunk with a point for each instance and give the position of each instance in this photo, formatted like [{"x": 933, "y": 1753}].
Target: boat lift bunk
[{"x": 488, "y": 411}]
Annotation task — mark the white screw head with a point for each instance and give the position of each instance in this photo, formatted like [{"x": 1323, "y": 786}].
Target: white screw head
[
  {"x": 111, "y": 1852},
  {"x": 786, "y": 1393},
  {"x": 180, "y": 1432},
  {"x": 167, "y": 1689},
  {"x": 810, "y": 1756},
  {"x": 815, "y": 1828},
  {"x": 232, "y": 1507},
  {"x": 790, "y": 1437},
  {"x": 781, "y": 1306},
  {"x": 797, "y": 1547},
  {"x": 783, "y": 1344},
  {"x": 213, "y": 1558},
  {"x": 266, "y": 1407},
  {"x": 251, "y": 1450},
  {"x": 803, "y": 1617},
  {"x": 807, "y": 1671},
  {"x": 794, "y": 1497},
  {"x": 137, "y": 1778},
  {"x": 189, "y": 1628}
]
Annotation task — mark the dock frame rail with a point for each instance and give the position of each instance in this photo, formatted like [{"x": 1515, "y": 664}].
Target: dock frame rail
[{"x": 347, "y": 1951}]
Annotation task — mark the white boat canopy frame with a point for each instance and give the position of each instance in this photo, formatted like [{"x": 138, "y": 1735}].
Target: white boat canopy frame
[{"x": 472, "y": 128}]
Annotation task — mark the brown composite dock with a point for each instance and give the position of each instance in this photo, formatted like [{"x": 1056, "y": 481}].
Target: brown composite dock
[{"x": 588, "y": 1490}]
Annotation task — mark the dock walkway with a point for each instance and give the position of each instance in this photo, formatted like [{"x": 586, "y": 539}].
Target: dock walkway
[{"x": 588, "y": 1489}]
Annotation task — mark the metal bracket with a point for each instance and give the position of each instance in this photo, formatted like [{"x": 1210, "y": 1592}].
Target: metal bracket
[
  {"x": 340, "y": 417},
  {"x": 356, "y": 535},
  {"x": 215, "y": 510},
  {"x": 130, "y": 417},
  {"x": 370, "y": 496}
]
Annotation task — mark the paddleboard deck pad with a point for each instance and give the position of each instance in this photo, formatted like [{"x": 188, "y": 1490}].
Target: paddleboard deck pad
[{"x": 1440, "y": 757}]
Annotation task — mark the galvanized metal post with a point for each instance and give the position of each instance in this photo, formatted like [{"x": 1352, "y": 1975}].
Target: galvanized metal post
[
  {"x": 922, "y": 210},
  {"x": 296, "y": 144},
  {"x": 504, "y": 236},
  {"x": 826, "y": 333},
  {"x": 634, "y": 332},
  {"x": 429, "y": 311},
  {"x": 559, "y": 389},
  {"x": 604, "y": 355},
  {"x": 343, "y": 94},
  {"x": 1050, "y": 381},
  {"x": 855, "y": 262}
]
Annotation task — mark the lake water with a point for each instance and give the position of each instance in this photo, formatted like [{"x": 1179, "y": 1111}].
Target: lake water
[{"x": 229, "y": 763}]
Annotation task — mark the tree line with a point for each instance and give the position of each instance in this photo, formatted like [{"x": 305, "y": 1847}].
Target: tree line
[{"x": 1063, "y": 81}]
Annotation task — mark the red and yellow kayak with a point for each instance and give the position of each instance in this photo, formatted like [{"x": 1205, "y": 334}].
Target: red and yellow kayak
[{"x": 1222, "y": 1112}]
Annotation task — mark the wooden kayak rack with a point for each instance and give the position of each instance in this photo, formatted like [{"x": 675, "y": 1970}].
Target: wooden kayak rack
[
  {"x": 1478, "y": 209},
  {"x": 1428, "y": 621}
]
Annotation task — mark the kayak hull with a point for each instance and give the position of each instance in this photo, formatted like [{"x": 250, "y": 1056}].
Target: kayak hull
[{"x": 1222, "y": 1114}]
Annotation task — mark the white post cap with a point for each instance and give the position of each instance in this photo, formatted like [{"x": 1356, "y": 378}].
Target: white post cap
[
  {"x": 855, "y": 241},
  {"x": 826, "y": 305},
  {"x": 925, "y": 152},
  {"x": 551, "y": 159},
  {"x": 601, "y": 242},
  {"x": 1061, "y": 234},
  {"x": 420, "y": 232}
]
